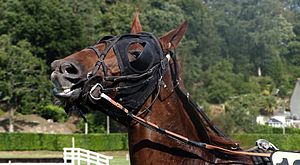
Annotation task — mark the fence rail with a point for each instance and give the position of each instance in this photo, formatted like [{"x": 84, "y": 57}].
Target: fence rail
[{"x": 76, "y": 155}]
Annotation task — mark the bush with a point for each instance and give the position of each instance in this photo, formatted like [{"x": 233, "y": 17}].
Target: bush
[
  {"x": 56, "y": 142},
  {"x": 263, "y": 129},
  {"x": 53, "y": 112},
  {"x": 1, "y": 112},
  {"x": 96, "y": 123},
  {"x": 283, "y": 142}
]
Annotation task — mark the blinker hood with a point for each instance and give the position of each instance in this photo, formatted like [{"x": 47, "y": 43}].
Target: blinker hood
[{"x": 139, "y": 77}]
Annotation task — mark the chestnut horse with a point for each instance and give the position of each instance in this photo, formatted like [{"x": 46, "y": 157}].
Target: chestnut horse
[{"x": 136, "y": 70}]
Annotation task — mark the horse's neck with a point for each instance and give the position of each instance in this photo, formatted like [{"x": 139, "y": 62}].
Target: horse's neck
[
  {"x": 171, "y": 113},
  {"x": 168, "y": 112}
]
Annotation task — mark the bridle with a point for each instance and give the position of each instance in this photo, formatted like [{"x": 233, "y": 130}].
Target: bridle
[
  {"x": 98, "y": 92},
  {"x": 135, "y": 82}
]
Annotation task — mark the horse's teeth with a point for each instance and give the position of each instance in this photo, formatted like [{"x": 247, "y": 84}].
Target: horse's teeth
[{"x": 67, "y": 90}]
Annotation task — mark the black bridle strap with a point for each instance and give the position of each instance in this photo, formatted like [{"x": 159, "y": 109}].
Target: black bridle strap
[
  {"x": 176, "y": 136},
  {"x": 99, "y": 63},
  {"x": 101, "y": 57},
  {"x": 130, "y": 77},
  {"x": 117, "y": 89}
]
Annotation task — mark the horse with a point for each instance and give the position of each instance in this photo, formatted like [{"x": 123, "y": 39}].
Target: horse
[{"x": 141, "y": 73}]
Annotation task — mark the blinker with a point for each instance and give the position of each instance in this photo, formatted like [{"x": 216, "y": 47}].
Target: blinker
[{"x": 144, "y": 60}]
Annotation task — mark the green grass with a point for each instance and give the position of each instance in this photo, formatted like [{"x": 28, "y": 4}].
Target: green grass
[
  {"x": 119, "y": 160},
  {"x": 30, "y": 154},
  {"x": 119, "y": 156}
]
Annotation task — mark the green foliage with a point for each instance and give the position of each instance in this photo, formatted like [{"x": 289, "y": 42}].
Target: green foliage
[
  {"x": 114, "y": 142},
  {"x": 1, "y": 112},
  {"x": 56, "y": 142},
  {"x": 226, "y": 43},
  {"x": 50, "y": 26},
  {"x": 116, "y": 20},
  {"x": 160, "y": 16},
  {"x": 24, "y": 82},
  {"x": 242, "y": 111},
  {"x": 288, "y": 142},
  {"x": 263, "y": 129},
  {"x": 96, "y": 123},
  {"x": 53, "y": 112}
]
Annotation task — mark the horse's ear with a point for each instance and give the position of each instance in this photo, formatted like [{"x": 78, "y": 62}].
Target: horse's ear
[
  {"x": 136, "y": 26},
  {"x": 172, "y": 38}
]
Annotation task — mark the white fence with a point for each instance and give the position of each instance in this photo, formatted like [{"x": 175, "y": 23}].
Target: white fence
[
  {"x": 35, "y": 163},
  {"x": 76, "y": 155}
]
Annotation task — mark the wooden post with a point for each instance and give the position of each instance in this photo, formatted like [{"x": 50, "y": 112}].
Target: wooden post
[
  {"x": 11, "y": 120},
  {"x": 73, "y": 142},
  {"x": 85, "y": 128},
  {"x": 107, "y": 125}
]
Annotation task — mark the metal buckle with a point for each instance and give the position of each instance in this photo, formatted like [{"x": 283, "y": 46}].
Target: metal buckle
[
  {"x": 93, "y": 89},
  {"x": 266, "y": 145}
]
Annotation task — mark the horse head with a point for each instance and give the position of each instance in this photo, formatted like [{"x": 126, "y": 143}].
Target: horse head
[{"x": 128, "y": 67}]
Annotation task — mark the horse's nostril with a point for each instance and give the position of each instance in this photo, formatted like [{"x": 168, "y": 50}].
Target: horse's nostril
[
  {"x": 72, "y": 70},
  {"x": 68, "y": 68}
]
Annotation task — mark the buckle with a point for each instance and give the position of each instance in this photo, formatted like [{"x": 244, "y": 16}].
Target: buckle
[
  {"x": 93, "y": 91},
  {"x": 266, "y": 145},
  {"x": 164, "y": 62}
]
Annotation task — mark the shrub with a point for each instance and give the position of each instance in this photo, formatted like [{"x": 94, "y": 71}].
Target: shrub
[
  {"x": 53, "y": 112},
  {"x": 283, "y": 142},
  {"x": 56, "y": 142}
]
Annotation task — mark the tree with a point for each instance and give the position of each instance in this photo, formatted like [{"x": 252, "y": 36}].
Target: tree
[
  {"x": 24, "y": 83},
  {"x": 51, "y": 27}
]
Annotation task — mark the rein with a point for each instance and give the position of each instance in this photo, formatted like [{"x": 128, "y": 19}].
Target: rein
[{"x": 174, "y": 135}]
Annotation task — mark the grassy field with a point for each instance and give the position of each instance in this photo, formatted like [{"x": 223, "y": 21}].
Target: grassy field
[{"x": 119, "y": 156}]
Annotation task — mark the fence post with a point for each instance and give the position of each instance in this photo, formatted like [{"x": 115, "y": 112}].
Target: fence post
[
  {"x": 78, "y": 156},
  {"x": 72, "y": 157},
  {"x": 88, "y": 158},
  {"x": 65, "y": 161},
  {"x": 85, "y": 128}
]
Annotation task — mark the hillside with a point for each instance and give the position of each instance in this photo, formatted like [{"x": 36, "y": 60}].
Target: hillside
[{"x": 37, "y": 124}]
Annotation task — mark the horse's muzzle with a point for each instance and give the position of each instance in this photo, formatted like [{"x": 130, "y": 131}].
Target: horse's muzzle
[{"x": 65, "y": 74}]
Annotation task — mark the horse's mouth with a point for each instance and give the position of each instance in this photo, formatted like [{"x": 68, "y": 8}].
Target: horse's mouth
[
  {"x": 63, "y": 93},
  {"x": 66, "y": 94}
]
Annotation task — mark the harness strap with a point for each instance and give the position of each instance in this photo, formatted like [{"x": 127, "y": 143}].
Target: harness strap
[
  {"x": 101, "y": 57},
  {"x": 99, "y": 63}
]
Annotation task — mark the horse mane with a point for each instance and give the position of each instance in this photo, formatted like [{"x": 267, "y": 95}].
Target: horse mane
[
  {"x": 202, "y": 123},
  {"x": 205, "y": 128}
]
